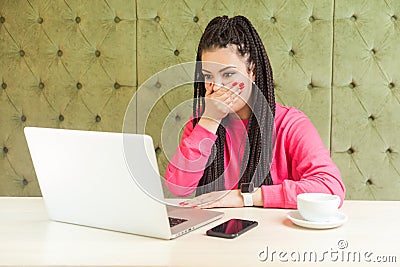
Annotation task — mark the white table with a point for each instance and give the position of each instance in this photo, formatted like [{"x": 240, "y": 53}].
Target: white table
[{"x": 27, "y": 237}]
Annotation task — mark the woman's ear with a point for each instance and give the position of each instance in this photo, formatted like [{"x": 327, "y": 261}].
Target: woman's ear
[{"x": 251, "y": 72}]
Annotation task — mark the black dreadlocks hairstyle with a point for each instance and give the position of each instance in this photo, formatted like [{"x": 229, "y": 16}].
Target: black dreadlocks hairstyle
[{"x": 220, "y": 33}]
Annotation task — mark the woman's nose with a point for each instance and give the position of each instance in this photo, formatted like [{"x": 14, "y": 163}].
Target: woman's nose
[{"x": 218, "y": 83}]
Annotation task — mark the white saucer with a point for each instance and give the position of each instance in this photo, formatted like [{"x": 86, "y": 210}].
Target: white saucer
[{"x": 296, "y": 218}]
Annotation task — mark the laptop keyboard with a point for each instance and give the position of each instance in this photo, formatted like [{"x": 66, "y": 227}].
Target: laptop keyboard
[{"x": 175, "y": 221}]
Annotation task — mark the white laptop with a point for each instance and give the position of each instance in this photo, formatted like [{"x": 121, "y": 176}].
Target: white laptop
[{"x": 108, "y": 181}]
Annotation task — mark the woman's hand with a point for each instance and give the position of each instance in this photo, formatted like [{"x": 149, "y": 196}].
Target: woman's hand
[
  {"x": 220, "y": 99},
  {"x": 218, "y": 104},
  {"x": 217, "y": 199},
  {"x": 223, "y": 199}
]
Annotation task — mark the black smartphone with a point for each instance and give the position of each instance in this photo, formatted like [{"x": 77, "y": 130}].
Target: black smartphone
[{"x": 231, "y": 228}]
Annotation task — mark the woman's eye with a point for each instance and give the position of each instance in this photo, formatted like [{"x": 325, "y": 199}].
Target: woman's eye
[
  {"x": 228, "y": 74},
  {"x": 207, "y": 76}
]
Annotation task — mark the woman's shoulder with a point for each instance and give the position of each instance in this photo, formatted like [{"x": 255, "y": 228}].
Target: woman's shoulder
[
  {"x": 290, "y": 119},
  {"x": 285, "y": 113}
]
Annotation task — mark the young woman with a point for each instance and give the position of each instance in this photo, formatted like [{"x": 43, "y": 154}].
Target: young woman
[{"x": 239, "y": 137}]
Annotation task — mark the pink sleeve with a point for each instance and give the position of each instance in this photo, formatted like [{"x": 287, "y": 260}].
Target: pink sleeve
[
  {"x": 310, "y": 164},
  {"x": 186, "y": 167}
]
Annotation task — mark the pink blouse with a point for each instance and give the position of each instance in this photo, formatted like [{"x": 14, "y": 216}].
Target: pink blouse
[{"x": 300, "y": 163}]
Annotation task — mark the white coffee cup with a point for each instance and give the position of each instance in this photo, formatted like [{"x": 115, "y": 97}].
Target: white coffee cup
[{"x": 318, "y": 207}]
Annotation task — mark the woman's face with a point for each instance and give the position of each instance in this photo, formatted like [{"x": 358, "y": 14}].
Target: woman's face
[{"x": 224, "y": 67}]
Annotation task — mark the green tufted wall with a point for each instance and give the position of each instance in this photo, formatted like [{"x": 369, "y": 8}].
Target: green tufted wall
[
  {"x": 64, "y": 64},
  {"x": 76, "y": 64},
  {"x": 366, "y": 97}
]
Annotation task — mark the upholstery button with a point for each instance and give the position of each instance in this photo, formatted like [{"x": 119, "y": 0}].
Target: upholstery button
[
  {"x": 353, "y": 18},
  {"x": 61, "y": 117},
  {"x": 291, "y": 53},
  {"x": 389, "y": 151},
  {"x": 78, "y": 20},
  {"x": 22, "y": 53},
  {"x": 373, "y": 51},
  {"x": 59, "y": 53},
  {"x": 350, "y": 150},
  {"x": 391, "y": 85},
  {"x": 24, "y": 182},
  {"x": 272, "y": 19},
  {"x": 157, "y": 19},
  {"x": 310, "y": 86},
  {"x": 177, "y": 118},
  {"x": 117, "y": 19},
  {"x": 195, "y": 19},
  {"x": 371, "y": 117},
  {"x": 158, "y": 85},
  {"x": 158, "y": 150},
  {"x": 78, "y": 85},
  {"x": 176, "y": 52},
  {"x": 311, "y": 19},
  {"x": 117, "y": 85},
  {"x": 23, "y": 118},
  {"x": 368, "y": 182},
  {"x": 41, "y": 85},
  {"x": 393, "y": 18},
  {"x": 2, "y": 20},
  {"x": 98, "y": 118},
  {"x": 40, "y": 20},
  {"x": 4, "y": 85},
  {"x": 5, "y": 150},
  {"x": 97, "y": 53},
  {"x": 352, "y": 85}
]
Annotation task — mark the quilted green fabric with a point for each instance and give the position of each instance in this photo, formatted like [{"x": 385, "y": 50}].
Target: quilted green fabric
[
  {"x": 366, "y": 98},
  {"x": 77, "y": 64},
  {"x": 63, "y": 64}
]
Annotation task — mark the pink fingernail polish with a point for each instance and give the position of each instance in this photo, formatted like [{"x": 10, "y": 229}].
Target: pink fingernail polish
[
  {"x": 241, "y": 85},
  {"x": 234, "y": 83}
]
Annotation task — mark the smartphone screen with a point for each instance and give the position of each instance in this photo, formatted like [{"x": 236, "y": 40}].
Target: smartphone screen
[{"x": 232, "y": 228}]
